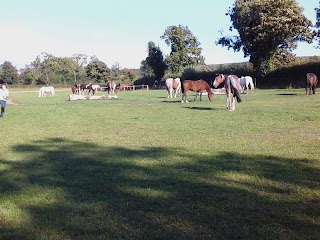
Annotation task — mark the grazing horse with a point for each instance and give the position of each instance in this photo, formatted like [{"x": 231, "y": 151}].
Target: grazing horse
[
  {"x": 195, "y": 86},
  {"x": 111, "y": 87},
  {"x": 75, "y": 89},
  {"x": 232, "y": 86},
  {"x": 85, "y": 86},
  {"x": 312, "y": 81},
  {"x": 245, "y": 82},
  {"x": 44, "y": 90},
  {"x": 173, "y": 85},
  {"x": 96, "y": 87}
]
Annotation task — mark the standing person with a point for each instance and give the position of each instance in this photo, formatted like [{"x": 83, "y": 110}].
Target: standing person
[{"x": 4, "y": 94}]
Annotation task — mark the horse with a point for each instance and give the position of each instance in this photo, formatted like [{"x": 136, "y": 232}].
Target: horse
[
  {"x": 195, "y": 86},
  {"x": 312, "y": 81},
  {"x": 245, "y": 82},
  {"x": 75, "y": 89},
  {"x": 173, "y": 85},
  {"x": 85, "y": 86},
  {"x": 44, "y": 90},
  {"x": 96, "y": 87},
  {"x": 111, "y": 87},
  {"x": 232, "y": 86}
]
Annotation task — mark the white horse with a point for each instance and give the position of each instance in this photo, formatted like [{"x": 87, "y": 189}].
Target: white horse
[
  {"x": 96, "y": 87},
  {"x": 44, "y": 90},
  {"x": 245, "y": 82},
  {"x": 112, "y": 87},
  {"x": 173, "y": 85}
]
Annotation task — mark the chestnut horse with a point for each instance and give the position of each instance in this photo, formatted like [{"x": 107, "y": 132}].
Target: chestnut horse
[
  {"x": 312, "y": 81},
  {"x": 195, "y": 86},
  {"x": 173, "y": 85},
  {"x": 75, "y": 89},
  {"x": 232, "y": 86}
]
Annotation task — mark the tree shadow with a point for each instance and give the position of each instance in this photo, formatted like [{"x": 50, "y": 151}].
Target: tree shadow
[{"x": 90, "y": 192}]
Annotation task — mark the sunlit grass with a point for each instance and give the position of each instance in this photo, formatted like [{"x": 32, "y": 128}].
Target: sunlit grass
[{"x": 146, "y": 167}]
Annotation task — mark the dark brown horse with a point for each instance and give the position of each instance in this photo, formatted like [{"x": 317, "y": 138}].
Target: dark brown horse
[
  {"x": 312, "y": 82},
  {"x": 232, "y": 86},
  {"x": 195, "y": 86},
  {"x": 87, "y": 86}
]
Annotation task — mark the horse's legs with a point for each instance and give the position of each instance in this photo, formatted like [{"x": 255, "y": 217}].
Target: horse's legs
[
  {"x": 233, "y": 104},
  {"x": 228, "y": 100},
  {"x": 308, "y": 89},
  {"x": 314, "y": 89},
  {"x": 197, "y": 93},
  {"x": 184, "y": 96}
]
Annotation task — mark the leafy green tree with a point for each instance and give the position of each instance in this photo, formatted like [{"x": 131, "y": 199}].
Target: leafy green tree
[
  {"x": 146, "y": 69},
  {"x": 97, "y": 71},
  {"x": 185, "y": 50},
  {"x": 76, "y": 64},
  {"x": 266, "y": 28},
  {"x": 317, "y": 25},
  {"x": 9, "y": 73},
  {"x": 155, "y": 61},
  {"x": 30, "y": 75},
  {"x": 115, "y": 71}
]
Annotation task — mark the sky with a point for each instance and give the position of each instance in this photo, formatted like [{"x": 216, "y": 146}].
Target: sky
[{"x": 117, "y": 31}]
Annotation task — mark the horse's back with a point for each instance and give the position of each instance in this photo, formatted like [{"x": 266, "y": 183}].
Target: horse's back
[
  {"x": 243, "y": 81},
  {"x": 312, "y": 78},
  {"x": 195, "y": 85},
  {"x": 176, "y": 83},
  {"x": 234, "y": 81},
  {"x": 169, "y": 83}
]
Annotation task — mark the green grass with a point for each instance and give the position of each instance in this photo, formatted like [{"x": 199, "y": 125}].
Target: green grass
[{"x": 146, "y": 167}]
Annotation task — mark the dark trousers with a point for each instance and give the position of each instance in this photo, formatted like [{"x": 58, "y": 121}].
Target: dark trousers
[{"x": 3, "y": 105}]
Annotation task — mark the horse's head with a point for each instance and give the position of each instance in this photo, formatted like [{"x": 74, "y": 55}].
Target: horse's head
[{"x": 218, "y": 80}]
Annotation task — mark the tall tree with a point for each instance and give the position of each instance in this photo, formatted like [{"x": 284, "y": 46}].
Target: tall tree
[
  {"x": 77, "y": 65},
  {"x": 9, "y": 74},
  {"x": 267, "y": 29},
  {"x": 185, "y": 48},
  {"x": 317, "y": 25},
  {"x": 97, "y": 71},
  {"x": 154, "y": 62}
]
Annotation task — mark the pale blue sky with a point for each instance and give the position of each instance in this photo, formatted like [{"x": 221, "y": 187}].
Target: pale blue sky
[{"x": 116, "y": 31}]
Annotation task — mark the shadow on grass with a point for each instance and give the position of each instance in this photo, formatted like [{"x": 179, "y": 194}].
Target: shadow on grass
[
  {"x": 287, "y": 94},
  {"x": 172, "y": 101},
  {"x": 78, "y": 190},
  {"x": 200, "y": 108}
]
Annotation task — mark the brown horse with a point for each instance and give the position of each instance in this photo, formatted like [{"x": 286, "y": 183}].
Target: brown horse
[
  {"x": 195, "y": 86},
  {"x": 312, "y": 81},
  {"x": 232, "y": 86},
  {"x": 75, "y": 89}
]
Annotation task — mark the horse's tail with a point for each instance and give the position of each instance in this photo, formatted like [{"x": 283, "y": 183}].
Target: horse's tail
[
  {"x": 182, "y": 87},
  {"x": 237, "y": 94}
]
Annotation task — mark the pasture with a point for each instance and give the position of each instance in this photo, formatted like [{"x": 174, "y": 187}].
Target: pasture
[{"x": 147, "y": 167}]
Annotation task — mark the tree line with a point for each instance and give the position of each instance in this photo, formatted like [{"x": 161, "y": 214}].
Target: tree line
[
  {"x": 266, "y": 31},
  {"x": 47, "y": 69}
]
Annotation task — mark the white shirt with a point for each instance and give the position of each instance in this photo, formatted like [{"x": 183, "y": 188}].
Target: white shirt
[{"x": 4, "y": 94}]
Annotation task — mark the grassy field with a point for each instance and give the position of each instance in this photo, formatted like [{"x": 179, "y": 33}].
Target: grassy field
[{"x": 146, "y": 167}]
